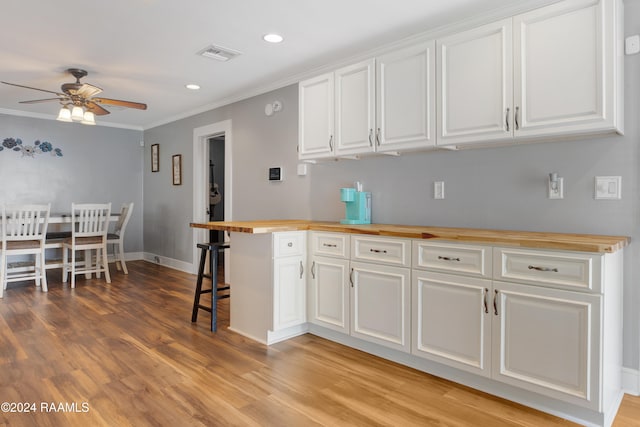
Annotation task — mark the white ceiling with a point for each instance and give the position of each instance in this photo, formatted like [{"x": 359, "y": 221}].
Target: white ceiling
[{"x": 145, "y": 50}]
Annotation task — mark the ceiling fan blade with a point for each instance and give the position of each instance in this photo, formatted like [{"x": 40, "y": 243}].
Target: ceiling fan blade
[
  {"x": 120, "y": 103},
  {"x": 35, "y": 101},
  {"x": 34, "y": 88},
  {"x": 96, "y": 109}
]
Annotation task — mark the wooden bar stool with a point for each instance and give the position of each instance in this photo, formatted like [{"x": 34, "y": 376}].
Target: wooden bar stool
[{"x": 214, "y": 249}]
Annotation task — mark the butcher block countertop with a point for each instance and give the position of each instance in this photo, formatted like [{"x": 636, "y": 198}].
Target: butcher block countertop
[{"x": 527, "y": 239}]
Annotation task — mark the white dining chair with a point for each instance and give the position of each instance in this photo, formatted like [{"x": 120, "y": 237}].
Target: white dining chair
[
  {"x": 117, "y": 237},
  {"x": 89, "y": 232},
  {"x": 24, "y": 228}
]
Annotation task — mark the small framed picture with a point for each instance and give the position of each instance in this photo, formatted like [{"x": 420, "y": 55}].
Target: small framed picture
[
  {"x": 176, "y": 161},
  {"x": 155, "y": 154}
]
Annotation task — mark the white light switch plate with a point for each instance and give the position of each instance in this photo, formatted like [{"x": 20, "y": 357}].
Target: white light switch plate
[
  {"x": 608, "y": 188},
  {"x": 438, "y": 190}
]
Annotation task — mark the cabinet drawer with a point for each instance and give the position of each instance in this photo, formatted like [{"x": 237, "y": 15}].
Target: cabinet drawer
[
  {"x": 330, "y": 244},
  {"x": 569, "y": 270},
  {"x": 452, "y": 258},
  {"x": 289, "y": 243},
  {"x": 381, "y": 250}
]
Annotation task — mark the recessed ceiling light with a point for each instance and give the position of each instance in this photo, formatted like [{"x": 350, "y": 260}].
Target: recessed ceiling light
[
  {"x": 192, "y": 86},
  {"x": 273, "y": 38}
]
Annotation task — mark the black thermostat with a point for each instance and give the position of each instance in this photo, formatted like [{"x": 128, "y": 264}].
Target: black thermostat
[{"x": 275, "y": 174}]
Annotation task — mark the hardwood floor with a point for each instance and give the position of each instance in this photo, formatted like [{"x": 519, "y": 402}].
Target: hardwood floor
[{"x": 127, "y": 354}]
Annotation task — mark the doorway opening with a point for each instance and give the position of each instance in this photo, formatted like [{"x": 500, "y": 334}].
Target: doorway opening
[
  {"x": 221, "y": 134},
  {"x": 216, "y": 191}
]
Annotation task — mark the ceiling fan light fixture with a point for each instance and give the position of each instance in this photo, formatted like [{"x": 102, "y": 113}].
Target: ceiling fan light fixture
[
  {"x": 64, "y": 115},
  {"x": 77, "y": 113},
  {"x": 88, "y": 118}
]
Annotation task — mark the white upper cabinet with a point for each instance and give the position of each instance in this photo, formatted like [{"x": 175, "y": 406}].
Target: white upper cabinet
[
  {"x": 405, "y": 87},
  {"x": 315, "y": 110},
  {"x": 386, "y": 104},
  {"x": 566, "y": 68},
  {"x": 355, "y": 114},
  {"x": 475, "y": 81}
]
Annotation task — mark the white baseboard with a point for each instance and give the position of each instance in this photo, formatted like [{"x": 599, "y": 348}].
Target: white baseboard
[
  {"x": 631, "y": 381},
  {"x": 187, "y": 267}
]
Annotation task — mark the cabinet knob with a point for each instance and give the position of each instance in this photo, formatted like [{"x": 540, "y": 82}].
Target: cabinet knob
[{"x": 290, "y": 244}]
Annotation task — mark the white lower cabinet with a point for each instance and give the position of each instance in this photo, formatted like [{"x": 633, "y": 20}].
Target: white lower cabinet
[
  {"x": 547, "y": 334},
  {"x": 381, "y": 304},
  {"x": 452, "y": 321},
  {"x": 361, "y": 286},
  {"x": 539, "y": 339},
  {"x": 548, "y": 341},
  {"x": 289, "y": 280},
  {"x": 328, "y": 303},
  {"x": 289, "y": 295}
]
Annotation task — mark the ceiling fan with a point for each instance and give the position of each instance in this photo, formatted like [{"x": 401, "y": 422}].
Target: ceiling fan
[{"x": 81, "y": 95}]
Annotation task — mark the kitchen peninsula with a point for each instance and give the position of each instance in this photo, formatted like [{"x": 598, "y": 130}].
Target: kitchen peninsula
[{"x": 530, "y": 316}]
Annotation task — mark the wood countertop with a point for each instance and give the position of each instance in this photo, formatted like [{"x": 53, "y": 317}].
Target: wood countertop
[{"x": 527, "y": 239}]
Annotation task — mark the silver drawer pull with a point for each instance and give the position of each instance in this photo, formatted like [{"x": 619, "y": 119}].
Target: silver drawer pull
[
  {"x": 329, "y": 245},
  {"x": 377, "y": 251},
  {"x": 533, "y": 267},
  {"x": 290, "y": 244},
  {"x": 446, "y": 258}
]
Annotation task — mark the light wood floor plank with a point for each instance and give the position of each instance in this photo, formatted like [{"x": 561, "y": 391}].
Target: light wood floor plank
[{"x": 129, "y": 350}]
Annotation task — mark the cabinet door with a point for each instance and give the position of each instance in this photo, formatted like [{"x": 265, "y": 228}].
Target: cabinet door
[
  {"x": 406, "y": 98},
  {"x": 476, "y": 85},
  {"x": 452, "y": 321},
  {"x": 355, "y": 108},
  {"x": 548, "y": 341},
  {"x": 380, "y": 304},
  {"x": 328, "y": 302},
  {"x": 564, "y": 80},
  {"x": 315, "y": 108},
  {"x": 289, "y": 294}
]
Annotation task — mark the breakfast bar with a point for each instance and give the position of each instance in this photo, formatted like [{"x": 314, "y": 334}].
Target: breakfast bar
[{"x": 534, "y": 317}]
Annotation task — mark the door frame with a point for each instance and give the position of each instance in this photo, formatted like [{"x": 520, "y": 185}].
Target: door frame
[{"x": 201, "y": 136}]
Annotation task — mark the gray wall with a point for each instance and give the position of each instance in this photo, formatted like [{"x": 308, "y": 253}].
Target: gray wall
[
  {"x": 99, "y": 164},
  {"x": 503, "y": 188},
  {"x": 259, "y": 142}
]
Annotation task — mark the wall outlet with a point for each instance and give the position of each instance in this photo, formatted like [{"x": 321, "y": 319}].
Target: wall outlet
[{"x": 438, "y": 190}]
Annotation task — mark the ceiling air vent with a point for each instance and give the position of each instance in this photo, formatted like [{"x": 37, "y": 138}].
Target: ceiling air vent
[{"x": 219, "y": 53}]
